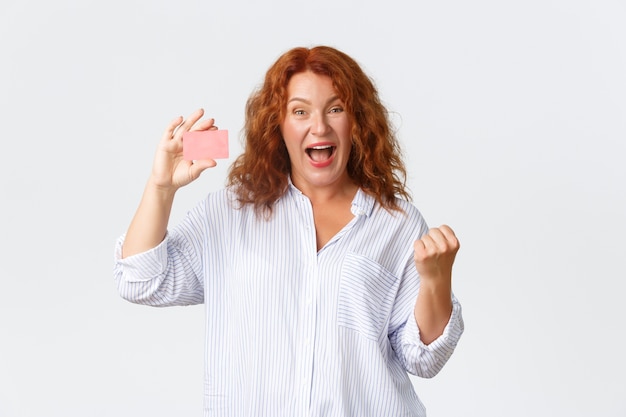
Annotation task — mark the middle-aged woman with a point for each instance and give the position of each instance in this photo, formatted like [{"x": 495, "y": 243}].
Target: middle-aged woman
[{"x": 322, "y": 284}]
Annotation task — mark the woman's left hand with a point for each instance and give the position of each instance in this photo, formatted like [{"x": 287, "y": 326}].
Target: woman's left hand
[
  {"x": 434, "y": 256},
  {"x": 435, "y": 253}
]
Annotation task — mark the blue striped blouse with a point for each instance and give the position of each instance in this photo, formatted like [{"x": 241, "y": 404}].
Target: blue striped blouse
[{"x": 292, "y": 331}]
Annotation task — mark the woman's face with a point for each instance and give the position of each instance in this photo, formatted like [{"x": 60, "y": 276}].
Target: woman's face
[{"x": 316, "y": 131}]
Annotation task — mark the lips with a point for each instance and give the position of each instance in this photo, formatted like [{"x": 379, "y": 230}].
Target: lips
[{"x": 321, "y": 154}]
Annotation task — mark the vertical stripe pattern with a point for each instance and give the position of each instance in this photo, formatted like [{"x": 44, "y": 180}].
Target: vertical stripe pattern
[{"x": 292, "y": 331}]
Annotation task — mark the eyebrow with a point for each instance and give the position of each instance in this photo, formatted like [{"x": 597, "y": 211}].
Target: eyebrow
[{"x": 304, "y": 100}]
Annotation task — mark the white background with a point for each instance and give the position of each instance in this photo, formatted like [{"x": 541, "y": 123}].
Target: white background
[{"x": 512, "y": 115}]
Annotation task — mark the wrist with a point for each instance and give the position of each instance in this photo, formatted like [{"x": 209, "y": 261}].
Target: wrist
[
  {"x": 436, "y": 285},
  {"x": 159, "y": 191}
]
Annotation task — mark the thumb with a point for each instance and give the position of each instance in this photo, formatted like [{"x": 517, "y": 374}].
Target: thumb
[{"x": 200, "y": 165}]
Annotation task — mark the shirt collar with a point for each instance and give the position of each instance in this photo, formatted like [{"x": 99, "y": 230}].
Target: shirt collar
[{"x": 362, "y": 204}]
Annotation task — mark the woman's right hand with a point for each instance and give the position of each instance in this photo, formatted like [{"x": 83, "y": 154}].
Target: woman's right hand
[{"x": 169, "y": 170}]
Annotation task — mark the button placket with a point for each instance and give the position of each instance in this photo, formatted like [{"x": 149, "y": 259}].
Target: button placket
[{"x": 308, "y": 308}]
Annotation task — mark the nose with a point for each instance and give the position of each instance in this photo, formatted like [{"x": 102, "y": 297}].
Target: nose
[{"x": 319, "y": 124}]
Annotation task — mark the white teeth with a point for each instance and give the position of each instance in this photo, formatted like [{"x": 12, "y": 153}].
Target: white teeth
[{"x": 321, "y": 147}]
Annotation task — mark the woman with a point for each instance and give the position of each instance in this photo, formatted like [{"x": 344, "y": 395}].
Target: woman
[{"x": 322, "y": 284}]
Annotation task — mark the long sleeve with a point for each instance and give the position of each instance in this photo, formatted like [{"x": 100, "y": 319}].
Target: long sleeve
[
  {"x": 427, "y": 360},
  {"x": 166, "y": 275},
  {"x": 415, "y": 356}
]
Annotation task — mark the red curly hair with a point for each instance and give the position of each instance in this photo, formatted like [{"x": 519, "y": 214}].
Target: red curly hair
[{"x": 260, "y": 175}]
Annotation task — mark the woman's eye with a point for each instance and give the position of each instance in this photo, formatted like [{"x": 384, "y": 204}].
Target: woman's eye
[
  {"x": 298, "y": 112},
  {"x": 336, "y": 110}
]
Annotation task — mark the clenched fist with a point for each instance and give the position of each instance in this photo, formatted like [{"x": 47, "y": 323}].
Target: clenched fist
[
  {"x": 435, "y": 253},
  {"x": 434, "y": 256}
]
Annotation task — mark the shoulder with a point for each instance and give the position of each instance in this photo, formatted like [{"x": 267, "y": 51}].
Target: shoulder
[
  {"x": 404, "y": 222},
  {"x": 213, "y": 205},
  {"x": 408, "y": 207},
  {"x": 405, "y": 213}
]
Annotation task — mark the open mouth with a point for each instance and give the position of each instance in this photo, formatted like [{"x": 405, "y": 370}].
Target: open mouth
[{"x": 320, "y": 153}]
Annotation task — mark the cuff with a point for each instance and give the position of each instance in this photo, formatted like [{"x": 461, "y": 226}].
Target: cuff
[
  {"x": 143, "y": 266},
  {"x": 447, "y": 340}
]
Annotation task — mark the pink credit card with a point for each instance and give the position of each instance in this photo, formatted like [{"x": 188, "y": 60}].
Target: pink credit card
[{"x": 205, "y": 144}]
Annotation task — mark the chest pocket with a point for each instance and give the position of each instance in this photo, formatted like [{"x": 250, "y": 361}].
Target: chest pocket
[{"x": 366, "y": 296}]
